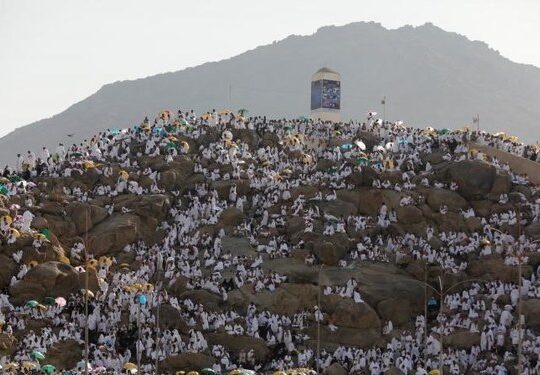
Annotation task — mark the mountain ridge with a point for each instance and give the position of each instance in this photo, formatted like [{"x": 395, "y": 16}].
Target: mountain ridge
[{"x": 430, "y": 77}]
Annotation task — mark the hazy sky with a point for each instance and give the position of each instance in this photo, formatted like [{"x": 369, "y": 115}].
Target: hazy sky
[{"x": 54, "y": 53}]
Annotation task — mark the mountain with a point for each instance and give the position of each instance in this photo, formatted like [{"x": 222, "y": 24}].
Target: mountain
[{"x": 429, "y": 76}]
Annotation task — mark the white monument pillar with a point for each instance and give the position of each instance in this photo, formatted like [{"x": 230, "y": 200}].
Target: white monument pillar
[{"x": 326, "y": 95}]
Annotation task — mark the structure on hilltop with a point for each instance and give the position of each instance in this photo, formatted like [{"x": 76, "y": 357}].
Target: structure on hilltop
[{"x": 326, "y": 95}]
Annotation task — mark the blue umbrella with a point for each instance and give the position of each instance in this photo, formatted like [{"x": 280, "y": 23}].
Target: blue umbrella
[
  {"x": 346, "y": 146},
  {"x": 142, "y": 299}
]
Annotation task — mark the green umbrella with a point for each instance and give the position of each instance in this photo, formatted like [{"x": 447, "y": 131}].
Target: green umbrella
[
  {"x": 47, "y": 233},
  {"x": 37, "y": 355},
  {"x": 362, "y": 161},
  {"x": 49, "y": 369},
  {"x": 207, "y": 371},
  {"x": 49, "y": 301},
  {"x": 443, "y": 131},
  {"x": 15, "y": 178},
  {"x": 32, "y": 303},
  {"x": 242, "y": 112},
  {"x": 170, "y": 146},
  {"x": 3, "y": 189}
]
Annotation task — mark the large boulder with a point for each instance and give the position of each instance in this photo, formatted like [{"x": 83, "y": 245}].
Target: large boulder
[
  {"x": 502, "y": 184},
  {"x": 330, "y": 250},
  {"x": 398, "y": 310},
  {"x": 186, "y": 362},
  {"x": 533, "y": 230},
  {"x": 9, "y": 268},
  {"x": 438, "y": 197},
  {"x": 296, "y": 270},
  {"x": 65, "y": 354},
  {"x": 287, "y": 299},
  {"x": 154, "y": 205},
  {"x": 235, "y": 344},
  {"x": 338, "y": 208},
  {"x": 475, "y": 178},
  {"x": 494, "y": 268},
  {"x": 237, "y": 246},
  {"x": 231, "y": 216},
  {"x": 170, "y": 318},
  {"x": 8, "y": 344},
  {"x": 85, "y": 216},
  {"x": 384, "y": 287},
  {"x": 114, "y": 233},
  {"x": 344, "y": 312},
  {"x": 409, "y": 215},
  {"x": 335, "y": 369},
  {"x": 51, "y": 279},
  {"x": 462, "y": 339},
  {"x": 531, "y": 310}
]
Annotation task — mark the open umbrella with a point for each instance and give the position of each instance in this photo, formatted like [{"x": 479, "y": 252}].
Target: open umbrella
[
  {"x": 37, "y": 355},
  {"x": 443, "y": 131},
  {"x": 362, "y": 161},
  {"x": 49, "y": 369},
  {"x": 49, "y": 301},
  {"x": 129, "y": 366},
  {"x": 83, "y": 364},
  {"x": 11, "y": 366},
  {"x": 142, "y": 299},
  {"x": 361, "y": 145},
  {"x": 29, "y": 365},
  {"x": 60, "y": 301},
  {"x": 346, "y": 146},
  {"x": 3, "y": 189},
  {"x": 207, "y": 371},
  {"x": 7, "y": 219},
  {"x": 87, "y": 292},
  {"x": 32, "y": 303},
  {"x": 46, "y": 232},
  {"x": 170, "y": 146}
]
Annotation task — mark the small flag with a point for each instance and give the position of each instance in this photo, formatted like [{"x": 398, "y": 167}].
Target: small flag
[{"x": 383, "y": 102}]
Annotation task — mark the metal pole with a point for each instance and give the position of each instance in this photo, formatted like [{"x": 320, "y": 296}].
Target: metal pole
[
  {"x": 85, "y": 295},
  {"x": 158, "y": 287},
  {"x": 318, "y": 321},
  {"x": 138, "y": 336},
  {"x": 384, "y": 109},
  {"x": 425, "y": 314},
  {"x": 441, "y": 295},
  {"x": 520, "y": 261}
]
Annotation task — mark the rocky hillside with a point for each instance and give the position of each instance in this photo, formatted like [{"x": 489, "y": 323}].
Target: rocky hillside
[{"x": 255, "y": 243}]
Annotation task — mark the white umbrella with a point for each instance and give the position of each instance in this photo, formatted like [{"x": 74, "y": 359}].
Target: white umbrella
[
  {"x": 361, "y": 145},
  {"x": 389, "y": 145}
]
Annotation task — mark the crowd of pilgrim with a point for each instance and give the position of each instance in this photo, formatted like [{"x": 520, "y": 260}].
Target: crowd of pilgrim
[{"x": 122, "y": 318}]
